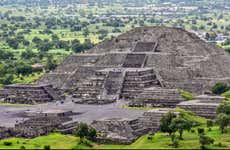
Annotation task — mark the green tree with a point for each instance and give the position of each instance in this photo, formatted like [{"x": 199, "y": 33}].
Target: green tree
[
  {"x": 166, "y": 122},
  {"x": 205, "y": 140},
  {"x": 223, "y": 121},
  {"x": 51, "y": 63},
  {"x": 4, "y": 54},
  {"x": 7, "y": 79},
  {"x": 86, "y": 32},
  {"x": 28, "y": 54},
  {"x": 224, "y": 107},
  {"x": 92, "y": 134},
  {"x": 82, "y": 131},
  {"x": 24, "y": 69},
  {"x": 13, "y": 42},
  {"x": 45, "y": 46},
  {"x": 180, "y": 124}
]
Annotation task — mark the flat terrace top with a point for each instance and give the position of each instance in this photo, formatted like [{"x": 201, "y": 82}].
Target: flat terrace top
[
  {"x": 125, "y": 69},
  {"x": 210, "y": 97},
  {"x": 10, "y": 115},
  {"x": 123, "y": 52},
  {"x": 26, "y": 85},
  {"x": 198, "y": 103}
]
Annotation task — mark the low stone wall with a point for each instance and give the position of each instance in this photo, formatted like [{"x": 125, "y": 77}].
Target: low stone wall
[{"x": 38, "y": 126}]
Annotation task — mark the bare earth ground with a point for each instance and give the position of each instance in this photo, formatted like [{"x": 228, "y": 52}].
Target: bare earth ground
[{"x": 9, "y": 115}]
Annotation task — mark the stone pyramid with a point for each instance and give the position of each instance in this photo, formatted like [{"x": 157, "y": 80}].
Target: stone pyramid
[{"x": 154, "y": 61}]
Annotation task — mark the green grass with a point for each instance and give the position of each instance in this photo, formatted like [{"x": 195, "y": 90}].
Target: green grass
[
  {"x": 55, "y": 140},
  {"x": 186, "y": 95},
  {"x": 159, "y": 141},
  {"x": 28, "y": 79},
  {"x": 192, "y": 116}
]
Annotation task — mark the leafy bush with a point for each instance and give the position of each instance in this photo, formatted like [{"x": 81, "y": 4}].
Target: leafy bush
[
  {"x": 200, "y": 131},
  {"x": 223, "y": 120},
  {"x": 220, "y": 88},
  {"x": 83, "y": 131},
  {"x": 205, "y": 140},
  {"x": 224, "y": 107},
  {"x": 47, "y": 147},
  {"x": 7, "y": 143},
  {"x": 22, "y": 147},
  {"x": 209, "y": 123}
]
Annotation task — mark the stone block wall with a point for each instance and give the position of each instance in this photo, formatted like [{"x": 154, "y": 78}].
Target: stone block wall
[{"x": 30, "y": 94}]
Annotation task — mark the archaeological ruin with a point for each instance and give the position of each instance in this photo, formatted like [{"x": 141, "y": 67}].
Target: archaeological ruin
[
  {"x": 145, "y": 67},
  {"x": 29, "y": 94}
]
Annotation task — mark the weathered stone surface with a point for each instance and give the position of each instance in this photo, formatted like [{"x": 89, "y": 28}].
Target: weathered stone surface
[
  {"x": 124, "y": 130},
  {"x": 157, "y": 97},
  {"x": 6, "y": 132},
  {"x": 41, "y": 123},
  {"x": 29, "y": 94},
  {"x": 144, "y": 66},
  {"x": 203, "y": 105},
  {"x": 163, "y": 57}
]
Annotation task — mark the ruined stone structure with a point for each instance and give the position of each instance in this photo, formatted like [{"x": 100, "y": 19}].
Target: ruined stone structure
[
  {"x": 143, "y": 67},
  {"x": 29, "y": 94},
  {"x": 126, "y": 131},
  {"x": 44, "y": 122},
  {"x": 203, "y": 105},
  {"x": 152, "y": 61},
  {"x": 5, "y": 133}
]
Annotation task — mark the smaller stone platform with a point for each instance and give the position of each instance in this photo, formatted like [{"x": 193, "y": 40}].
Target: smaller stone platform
[
  {"x": 203, "y": 105},
  {"x": 29, "y": 94},
  {"x": 126, "y": 131}
]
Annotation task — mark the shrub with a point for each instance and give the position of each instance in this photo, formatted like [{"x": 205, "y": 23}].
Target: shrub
[
  {"x": 223, "y": 120},
  {"x": 224, "y": 107},
  {"x": 149, "y": 137},
  {"x": 220, "y": 88},
  {"x": 200, "y": 131},
  {"x": 209, "y": 123},
  {"x": 47, "y": 147},
  {"x": 205, "y": 140},
  {"x": 22, "y": 147},
  {"x": 7, "y": 143}
]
